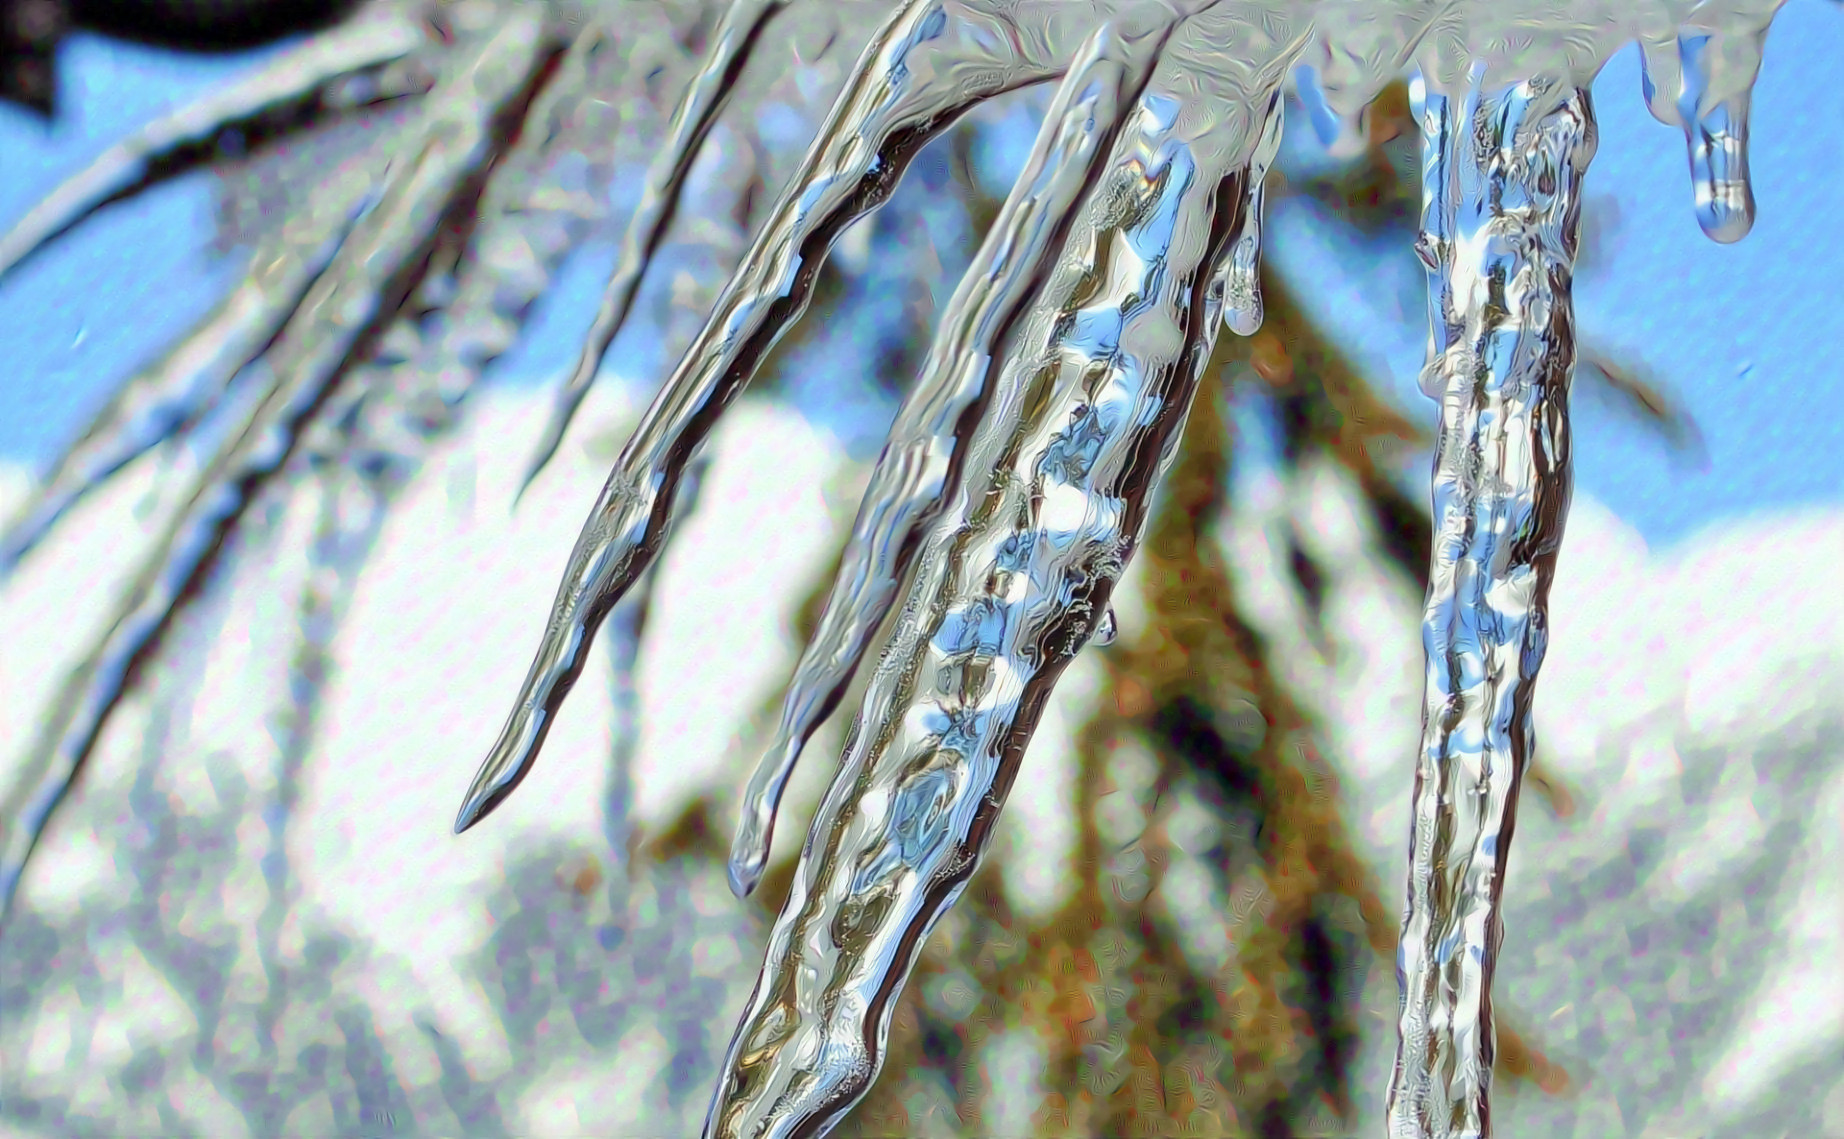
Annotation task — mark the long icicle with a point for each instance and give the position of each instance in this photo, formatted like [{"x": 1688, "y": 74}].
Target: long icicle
[
  {"x": 297, "y": 75},
  {"x": 1011, "y": 582},
  {"x": 927, "y": 65},
  {"x": 308, "y": 358},
  {"x": 920, "y": 463},
  {"x": 1502, "y": 172},
  {"x": 725, "y": 57}
]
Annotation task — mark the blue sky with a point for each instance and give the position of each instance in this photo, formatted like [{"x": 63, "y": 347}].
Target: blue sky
[{"x": 1743, "y": 335}]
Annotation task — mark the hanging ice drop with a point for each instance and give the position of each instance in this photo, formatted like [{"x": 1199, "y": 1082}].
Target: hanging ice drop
[
  {"x": 1699, "y": 77},
  {"x": 1242, "y": 270},
  {"x": 1715, "y": 119}
]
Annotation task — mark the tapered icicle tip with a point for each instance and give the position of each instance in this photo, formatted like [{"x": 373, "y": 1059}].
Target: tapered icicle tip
[
  {"x": 505, "y": 768},
  {"x": 749, "y": 850},
  {"x": 480, "y": 802},
  {"x": 472, "y": 811},
  {"x": 531, "y": 476},
  {"x": 546, "y": 450},
  {"x": 755, "y": 823},
  {"x": 745, "y": 872}
]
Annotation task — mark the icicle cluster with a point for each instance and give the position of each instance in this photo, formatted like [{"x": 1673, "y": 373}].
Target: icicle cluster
[{"x": 1017, "y": 479}]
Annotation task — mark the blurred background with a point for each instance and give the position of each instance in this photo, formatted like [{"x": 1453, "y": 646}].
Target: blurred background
[{"x": 250, "y": 915}]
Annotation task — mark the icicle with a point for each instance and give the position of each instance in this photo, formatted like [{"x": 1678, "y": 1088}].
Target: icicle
[
  {"x": 928, "y": 64},
  {"x": 297, "y": 75},
  {"x": 730, "y": 44},
  {"x": 306, "y": 360},
  {"x": 361, "y": 461},
  {"x": 352, "y": 515},
  {"x": 1502, "y": 172},
  {"x": 1716, "y": 75},
  {"x": 1699, "y": 79},
  {"x": 1089, "y": 405},
  {"x": 920, "y": 462},
  {"x": 1242, "y": 272},
  {"x": 405, "y": 400},
  {"x": 167, "y": 400}
]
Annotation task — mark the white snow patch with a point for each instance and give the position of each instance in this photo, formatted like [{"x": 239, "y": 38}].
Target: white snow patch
[{"x": 1700, "y": 666}]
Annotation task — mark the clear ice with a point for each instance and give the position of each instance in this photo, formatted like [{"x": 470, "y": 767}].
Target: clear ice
[
  {"x": 928, "y": 64},
  {"x": 1019, "y": 473},
  {"x": 1012, "y": 579},
  {"x": 1502, "y": 175},
  {"x": 1013, "y": 510},
  {"x": 919, "y": 467},
  {"x": 728, "y": 51},
  {"x": 308, "y": 357}
]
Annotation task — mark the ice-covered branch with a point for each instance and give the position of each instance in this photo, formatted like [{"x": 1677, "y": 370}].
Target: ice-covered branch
[{"x": 298, "y": 75}]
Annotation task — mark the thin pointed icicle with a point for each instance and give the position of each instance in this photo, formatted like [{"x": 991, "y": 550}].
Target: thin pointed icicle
[
  {"x": 364, "y": 459},
  {"x": 296, "y": 75},
  {"x": 308, "y": 358},
  {"x": 1012, "y": 580},
  {"x": 929, "y": 63},
  {"x": 1502, "y": 172},
  {"x": 725, "y": 57},
  {"x": 920, "y": 462},
  {"x": 163, "y": 401},
  {"x": 520, "y": 230}
]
